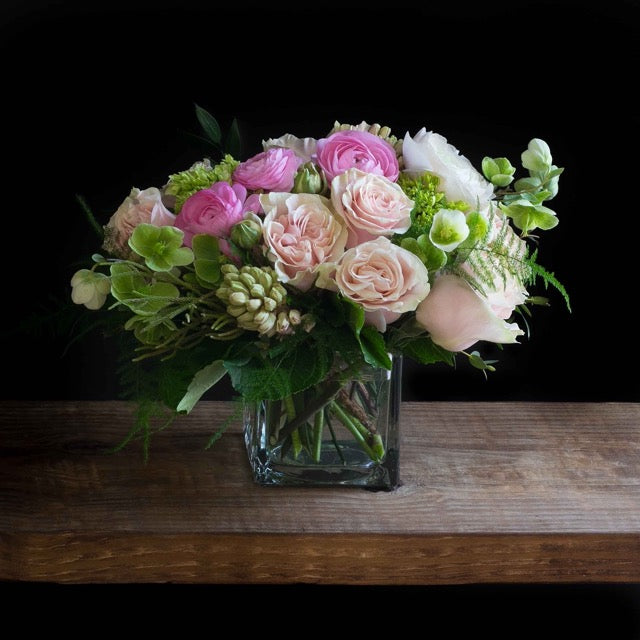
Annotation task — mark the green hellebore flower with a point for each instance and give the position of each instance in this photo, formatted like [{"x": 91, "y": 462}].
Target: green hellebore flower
[
  {"x": 144, "y": 298},
  {"x": 449, "y": 229},
  {"x": 161, "y": 247},
  {"x": 147, "y": 332},
  {"x": 90, "y": 288},
  {"x": 528, "y": 216},
  {"x": 499, "y": 171},
  {"x": 537, "y": 157}
]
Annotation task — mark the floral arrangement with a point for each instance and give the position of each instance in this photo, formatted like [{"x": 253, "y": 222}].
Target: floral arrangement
[{"x": 302, "y": 264}]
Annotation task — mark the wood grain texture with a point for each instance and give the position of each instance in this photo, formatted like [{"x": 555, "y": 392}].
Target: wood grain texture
[{"x": 492, "y": 492}]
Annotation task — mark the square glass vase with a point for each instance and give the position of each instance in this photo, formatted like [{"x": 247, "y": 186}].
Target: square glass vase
[{"x": 341, "y": 432}]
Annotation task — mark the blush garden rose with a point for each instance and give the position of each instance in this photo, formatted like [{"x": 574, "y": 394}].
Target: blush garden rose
[
  {"x": 301, "y": 232},
  {"x": 370, "y": 205}
]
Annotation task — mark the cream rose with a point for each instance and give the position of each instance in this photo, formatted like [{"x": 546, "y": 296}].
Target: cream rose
[
  {"x": 304, "y": 148},
  {"x": 138, "y": 207},
  {"x": 456, "y": 316},
  {"x": 459, "y": 180},
  {"x": 384, "y": 278},
  {"x": 301, "y": 233},
  {"x": 370, "y": 205}
]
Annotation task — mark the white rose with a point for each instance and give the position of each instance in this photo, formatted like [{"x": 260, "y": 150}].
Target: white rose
[
  {"x": 370, "y": 205},
  {"x": 428, "y": 151},
  {"x": 456, "y": 316},
  {"x": 304, "y": 148}
]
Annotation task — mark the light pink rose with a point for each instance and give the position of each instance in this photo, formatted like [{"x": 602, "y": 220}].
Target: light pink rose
[
  {"x": 362, "y": 150},
  {"x": 456, "y": 316},
  {"x": 384, "y": 278},
  {"x": 137, "y": 208},
  {"x": 301, "y": 233},
  {"x": 214, "y": 211},
  {"x": 370, "y": 205},
  {"x": 271, "y": 170}
]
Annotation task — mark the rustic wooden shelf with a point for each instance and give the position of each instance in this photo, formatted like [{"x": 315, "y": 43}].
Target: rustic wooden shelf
[{"x": 492, "y": 493}]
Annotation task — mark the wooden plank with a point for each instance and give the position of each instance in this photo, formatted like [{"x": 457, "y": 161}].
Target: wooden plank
[
  {"x": 356, "y": 559},
  {"x": 491, "y": 492}
]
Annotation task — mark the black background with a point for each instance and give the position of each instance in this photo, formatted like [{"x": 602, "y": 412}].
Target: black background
[{"x": 95, "y": 97}]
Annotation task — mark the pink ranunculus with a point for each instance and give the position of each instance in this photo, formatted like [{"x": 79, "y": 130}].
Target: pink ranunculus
[
  {"x": 456, "y": 316},
  {"x": 362, "y": 150},
  {"x": 301, "y": 233},
  {"x": 213, "y": 211},
  {"x": 137, "y": 208},
  {"x": 384, "y": 278},
  {"x": 271, "y": 170},
  {"x": 370, "y": 205}
]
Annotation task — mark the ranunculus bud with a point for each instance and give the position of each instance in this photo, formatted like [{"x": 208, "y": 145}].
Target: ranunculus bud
[
  {"x": 246, "y": 234},
  {"x": 308, "y": 180}
]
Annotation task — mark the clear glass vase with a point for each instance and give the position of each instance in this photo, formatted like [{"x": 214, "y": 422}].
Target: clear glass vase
[{"x": 341, "y": 432}]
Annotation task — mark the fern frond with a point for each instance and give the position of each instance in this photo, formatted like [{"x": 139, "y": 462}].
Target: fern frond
[
  {"x": 538, "y": 271},
  {"x": 503, "y": 256}
]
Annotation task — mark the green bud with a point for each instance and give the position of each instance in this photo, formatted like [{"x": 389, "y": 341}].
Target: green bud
[
  {"x": 537, "y": 157},
  {"x": 246, "y": 234},
  {"x": 499, "y": 171},
  {"x": 308, "y": 180},
  {"x": 540, "y": 301},
  {"x": 253, "y": 297}
]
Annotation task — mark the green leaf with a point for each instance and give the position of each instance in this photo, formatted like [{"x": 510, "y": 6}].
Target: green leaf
[
  {"x": 423, "y": 350},
  {"x": 202, "y": 382},
  {"x": 370, "y": 340},
  {"x": 527, "y": 184},
  {"x": 130, "y": 287},
  {"x": 536, "y": 198},
  {"x": 91, "y": 219},
  {"x": 484, "y": 365},
  {"x": 232, "y": 143},
  {"x": 209, "y": 125},
  {"x": 374, "y": 348},
  {"x": 434, "y": 258},
  {"x": 207, "y": 258},
  {"x": 274, "y": 379},
  {"x": 555, "y": 172}
]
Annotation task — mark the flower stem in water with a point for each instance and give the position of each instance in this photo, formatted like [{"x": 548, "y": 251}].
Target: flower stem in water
[{"x": 318, "y": 427}]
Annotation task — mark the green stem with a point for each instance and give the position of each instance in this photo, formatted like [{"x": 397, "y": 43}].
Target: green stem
[
  {"x": 311, "y": 407},
  {"x": 318, "y": 427},
  {"x": 333, "y": 435},
  {"x": 295, "y": 434},
  {"x": 356, "y": 432}
]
